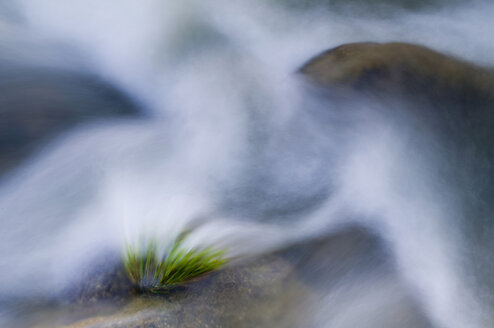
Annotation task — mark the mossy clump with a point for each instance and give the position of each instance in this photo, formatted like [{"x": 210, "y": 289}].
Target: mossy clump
[{"x": 155, "y": 274}]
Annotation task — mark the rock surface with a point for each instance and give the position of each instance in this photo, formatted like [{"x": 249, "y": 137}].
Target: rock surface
[
  {"x": 402, "y": 69},
  {"x": 261, "y": 293}
]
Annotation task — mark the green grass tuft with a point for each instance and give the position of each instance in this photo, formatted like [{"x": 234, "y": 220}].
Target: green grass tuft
[{"x": 151, "y": 273}]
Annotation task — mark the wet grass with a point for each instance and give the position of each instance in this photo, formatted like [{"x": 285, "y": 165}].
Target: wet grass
[{"x": 150, "y": 273}]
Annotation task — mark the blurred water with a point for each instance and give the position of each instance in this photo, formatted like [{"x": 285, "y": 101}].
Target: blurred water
[{"x": 234, "y": 138}]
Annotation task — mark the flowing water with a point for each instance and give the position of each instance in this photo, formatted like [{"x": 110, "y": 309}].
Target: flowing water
[{"x": 229, "y": 134}]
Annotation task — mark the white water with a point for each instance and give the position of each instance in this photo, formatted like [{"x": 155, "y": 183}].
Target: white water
[{"x": 232, "y": 138}]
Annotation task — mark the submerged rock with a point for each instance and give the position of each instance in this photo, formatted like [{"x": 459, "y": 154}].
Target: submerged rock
[
  {"x": 369, "y": 8},
  {"x": 37, "y": 104},
  {"x": 354, "y": 273}
]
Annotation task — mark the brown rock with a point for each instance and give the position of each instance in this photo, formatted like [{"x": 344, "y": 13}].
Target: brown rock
[{"x": 402, "y": 69}]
